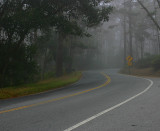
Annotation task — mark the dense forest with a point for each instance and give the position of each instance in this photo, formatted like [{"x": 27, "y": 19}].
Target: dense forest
[
  {"x": 43, "y": 36},
  {"x": 53, "y": 37}
]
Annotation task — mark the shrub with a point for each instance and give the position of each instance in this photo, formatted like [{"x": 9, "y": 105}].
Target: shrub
[
  {"x": 145, "y": 62},
  {"x": 156, "y": 63}
]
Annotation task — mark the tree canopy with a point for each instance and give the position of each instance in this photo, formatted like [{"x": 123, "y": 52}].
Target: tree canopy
[{"x": 19, "y": 19}]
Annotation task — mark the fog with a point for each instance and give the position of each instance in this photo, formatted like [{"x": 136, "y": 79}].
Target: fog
[
  {"x": 44, "y": 37},
  {"x": 129, "y": 32}
]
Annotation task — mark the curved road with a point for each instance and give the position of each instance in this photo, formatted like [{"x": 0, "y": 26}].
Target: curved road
[{"x": 105, "y": 101}]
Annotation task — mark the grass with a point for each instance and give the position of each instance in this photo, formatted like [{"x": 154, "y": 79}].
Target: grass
[
  {"x": 41, "y": 86},
  {"x": 149, "y": 72}
]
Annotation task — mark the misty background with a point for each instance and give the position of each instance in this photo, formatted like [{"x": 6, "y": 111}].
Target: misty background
[{"x": 41, "y": 39}]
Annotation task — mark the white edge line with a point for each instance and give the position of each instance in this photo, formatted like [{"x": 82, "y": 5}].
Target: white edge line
[{"x": 111, "y": 108}]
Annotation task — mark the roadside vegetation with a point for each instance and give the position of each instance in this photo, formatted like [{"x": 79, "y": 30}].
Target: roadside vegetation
[
  {"x": 140, "y": 20},
  {"x": 41, "y": 36},
  {"x": 41, "y": 86},
  {"x": 148, "y": 66},
  {"x": 150, "y": 61}
]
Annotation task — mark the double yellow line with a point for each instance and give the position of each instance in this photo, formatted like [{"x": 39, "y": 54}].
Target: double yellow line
[{"x": 60, "y": 98}]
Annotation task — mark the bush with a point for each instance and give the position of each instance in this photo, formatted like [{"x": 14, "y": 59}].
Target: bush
[
  {"x": 148, "y": 62},
  {"x": 156, "y": 63},
  {"x": 145, "y": 62}
]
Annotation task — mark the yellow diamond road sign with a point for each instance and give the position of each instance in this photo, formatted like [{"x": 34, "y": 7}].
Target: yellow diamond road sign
[{"x": 129, "y": 59}]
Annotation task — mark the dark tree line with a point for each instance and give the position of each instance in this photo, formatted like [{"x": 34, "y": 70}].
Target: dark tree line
[{"x": 24, "y": 22}]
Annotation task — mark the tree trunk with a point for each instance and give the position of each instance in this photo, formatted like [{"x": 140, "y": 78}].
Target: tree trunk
[
  {"x": 69, "y": 63},
  {"x": 59, "y": 55},
  {"x": 158, "y": 38},
  {"x": 130, "y": 31},
  {"x": 44, "y": 64},
  {"x": 2, "y": 79},
  {"x": 136, "y": 50},
  {"x": 125, "y": 40},
  {"x": 142, "y": 50},
  {"x": 157, "y": 33}
]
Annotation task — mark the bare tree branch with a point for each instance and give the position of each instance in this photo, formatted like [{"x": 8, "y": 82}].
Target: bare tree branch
[
  {"x": 149, "y": 14},
  {"x": 158, "y": 1}
]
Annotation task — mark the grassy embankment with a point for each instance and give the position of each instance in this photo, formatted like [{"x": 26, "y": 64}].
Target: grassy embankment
[
  {"x": 41, "y": 86},
  {"x": 146, "y": 72}
]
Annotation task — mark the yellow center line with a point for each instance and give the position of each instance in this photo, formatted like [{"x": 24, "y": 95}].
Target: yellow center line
[{"x": 60, "y": 98}]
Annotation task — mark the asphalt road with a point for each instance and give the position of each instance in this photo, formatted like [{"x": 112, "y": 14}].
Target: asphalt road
[{"x": 94, "y": 103}]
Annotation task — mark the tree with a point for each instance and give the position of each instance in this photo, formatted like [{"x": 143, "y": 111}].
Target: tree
[
  {"x": 20, "y": 18},
  {"x": 125, "y": 38},
  {"x": 158, "y": 1},
  {"x": 15, "y": 24},
  {"x": 87, "y": 13},
  {"x": 149, "y": 14}
]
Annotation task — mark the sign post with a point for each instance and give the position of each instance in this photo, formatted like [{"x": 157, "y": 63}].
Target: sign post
[{"x": 130, "y": 63}]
